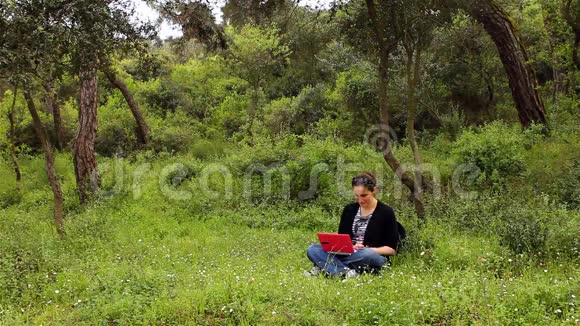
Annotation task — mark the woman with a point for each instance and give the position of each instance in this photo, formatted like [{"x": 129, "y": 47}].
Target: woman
[{"x": 372, "y": 227}]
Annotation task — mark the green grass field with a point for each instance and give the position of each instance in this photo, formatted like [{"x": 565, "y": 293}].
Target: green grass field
[
  {"x": 122, "y": 264},
  {"x": 149, "y": 259}
]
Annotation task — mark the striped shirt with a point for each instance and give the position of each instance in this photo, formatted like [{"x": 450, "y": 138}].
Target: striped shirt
[{"x": 359, "y": 226}]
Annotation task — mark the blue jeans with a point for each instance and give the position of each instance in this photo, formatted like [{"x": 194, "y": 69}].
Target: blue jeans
[{"x": 362, "y": 260}]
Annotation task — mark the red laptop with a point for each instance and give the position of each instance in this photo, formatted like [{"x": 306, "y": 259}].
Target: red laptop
[{"x": 339, "y": 244}]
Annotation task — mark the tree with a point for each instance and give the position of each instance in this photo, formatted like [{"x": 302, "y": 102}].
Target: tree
[
  {"x": 418, "y": 20},
  {"x": 23, "y": 52},
  {"x": 571, "y": 11},
  {"x": 464, "y": 74},
  {"x": 259, "y": 12},
  {"x": 377, "y": 29},
  {"x": 142, "y": 128},
  {"x": 11, "y": 137},
  {"x": 254, "y": 55},
  {"x": 381, "y": 21},
  {"x": 49, "y": 160},
  {"x": 54, "y": 108},
  {"x": 84, "y": 156},
  {"x": 98, "y": 31},
  {"x": 86, "y": 33},
  {"x": 195, "y": 19},
  {"x": 514, "y": 57}
]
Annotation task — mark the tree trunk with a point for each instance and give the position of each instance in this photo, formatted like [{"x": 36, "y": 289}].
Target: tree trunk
[
  {"x": 394, "y": 164},
  {"x": 57, "y": 118},
  {"x": 384, "y": 115},
  {"x": 142, "y": 128},
  {"x": 253, "y": 109},
  {"x": 49, "y": 160},
  {"x": 573, "y": 19},
  {"x": 514, "y": 58},
  {"x": 488, "y": 78},
  {"x": 84, "y": 157},
  {"x": 12, "y": 137},
  {"x": 412, "y": 79},
  {"x": 548, "y": 17},
  {"x": 575, "y": 56},
  {"x": 556, "y": 78}
]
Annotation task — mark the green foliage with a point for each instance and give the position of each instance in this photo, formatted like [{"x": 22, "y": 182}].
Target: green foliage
[
  {"x": 523, "y": 233},
  {"x": 298, "y": 114},
  {"x": 175, "y": 133},
  {"x": 522, "y": 222},
  {"x": 9, "y": 198},
  {"x": 452, "y": 122},
  {"x": 568, "y": 185},
  {"x": 334, "y": 127},
  {"x": 308, "y": 36},
  {"x": 538, "y": 227},
  {"x": 231, "y": 115},
  {"x": 203, "y": 84},
  {"x": 357, "y": 88},
  {"x": 280, "y": 115},
  {"x": 205, "y": 149},
  {"x": 466, "y": 71},
  {"x": 116, "y": 127},
  {"x": 256, "y": 53},
  {"x": 496, "y": 150},
  {"x": 24, "y": 134}
]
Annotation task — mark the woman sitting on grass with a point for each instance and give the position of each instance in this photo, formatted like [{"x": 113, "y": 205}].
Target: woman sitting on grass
[{"x": 372, "y": 227}]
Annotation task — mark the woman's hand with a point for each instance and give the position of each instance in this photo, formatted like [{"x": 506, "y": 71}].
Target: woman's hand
[
  {"x": 358, "y": 246},
  {"x": 385, "y": 251}
]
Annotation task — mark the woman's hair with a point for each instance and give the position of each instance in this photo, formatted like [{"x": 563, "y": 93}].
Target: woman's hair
[{"x": 366, "y": 179}]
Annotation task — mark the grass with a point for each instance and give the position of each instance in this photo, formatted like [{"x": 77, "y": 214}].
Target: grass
[
  {"x": 121, "y": 264},
  {"x": 148, "y": 259}
]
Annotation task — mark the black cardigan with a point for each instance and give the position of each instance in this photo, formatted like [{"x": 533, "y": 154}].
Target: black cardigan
[{"x": 382, "y": 229}]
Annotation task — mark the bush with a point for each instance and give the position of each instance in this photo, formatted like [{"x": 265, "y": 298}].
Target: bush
[
  {"x": 311, "y": 166},
  {"x": 569, "y": 185},
  {"x": 468, "y": 214},
  {"x": 283, "y": 217},
  {"x": 309, "y": 106},
  {"x": 176, "y": 133},
  {"x": 114, "y": 139},
  {"x": 279, "y": 116},
  {"x": 453, "y": 121},
  {"x": 205, "y": 149},
  {"x": 496, "y": 149},
  {"x": 9, "y": 198},
  {"x": 232, "y": 114},
  {"x": 524, "y": 234},
  {"x": 117, "y": 127},
  {"x": 562, "y": 235}
]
